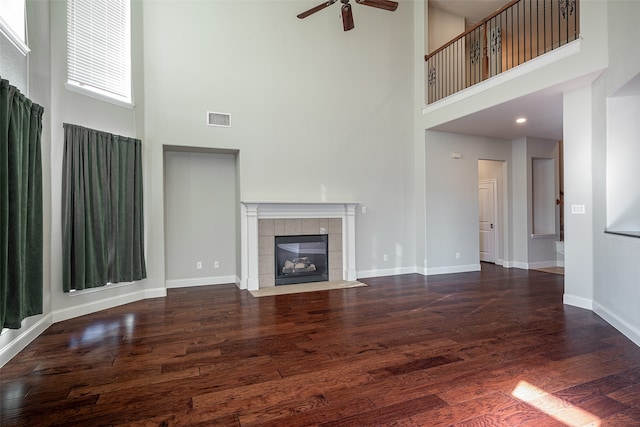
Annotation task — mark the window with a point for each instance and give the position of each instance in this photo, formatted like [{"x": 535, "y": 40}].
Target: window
[
  {"x": 99, "y": 49},
  {"x": 13, "y": 24}
]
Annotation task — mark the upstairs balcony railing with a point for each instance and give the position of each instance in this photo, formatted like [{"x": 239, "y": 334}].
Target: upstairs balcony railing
[{"x": 517, "y": 33}]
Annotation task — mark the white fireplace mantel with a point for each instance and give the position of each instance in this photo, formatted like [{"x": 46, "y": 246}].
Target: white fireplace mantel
[{"x": 252, "y": 211}]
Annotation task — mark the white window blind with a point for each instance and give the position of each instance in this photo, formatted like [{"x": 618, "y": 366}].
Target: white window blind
[{"x": 99, "y": 47}]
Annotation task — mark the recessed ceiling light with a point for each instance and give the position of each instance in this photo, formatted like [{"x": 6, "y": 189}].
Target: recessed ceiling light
[{"x": 521, "y": 120}]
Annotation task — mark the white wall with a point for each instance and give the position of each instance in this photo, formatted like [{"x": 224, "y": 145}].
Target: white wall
[
  {"x": 200, "y": 218},
  {"x": 317, "y": 113},
  {"x": 623, "y": 152},
  {"x": 578, "y": 158},
  {"x": 529, "y": 251},
  {"x": 542, "y": 249},
  {"x": 443, "y": 27},
  {"x": 13, "y": 65},
  {"x": 519, "y": 204},
  {"x": 616, "y": 271},
  {"x": 452, "y": 198},
  {"x": 452, "y": 201},
  {"x": 418, "y": 188}
]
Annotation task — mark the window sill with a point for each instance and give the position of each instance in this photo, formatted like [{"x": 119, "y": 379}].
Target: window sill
[
  {"x": 635, "y": 234},
  {"x": 106, "y": 287},
  {"x": 86, "y": 91},
  {"x": 13, "y": 38}
]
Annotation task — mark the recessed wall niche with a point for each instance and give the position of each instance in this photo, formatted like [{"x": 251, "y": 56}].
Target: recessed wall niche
[
  {"x": 543, "y": 195},
  {"x": 623, "y": 152}
]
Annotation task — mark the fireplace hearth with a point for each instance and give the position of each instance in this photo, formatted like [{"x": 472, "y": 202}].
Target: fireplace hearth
[{"x": 301, "y": 259}]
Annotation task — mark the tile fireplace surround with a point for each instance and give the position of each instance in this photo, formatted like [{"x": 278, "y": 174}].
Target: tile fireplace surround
[{"x": 261, "y": 221}]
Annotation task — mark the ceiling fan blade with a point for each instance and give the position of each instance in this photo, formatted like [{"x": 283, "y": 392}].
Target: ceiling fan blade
[
  {"x": 347, "y": 17},
  {"x": 380, "y": 4},
  {"x": 318, "y": 8}
]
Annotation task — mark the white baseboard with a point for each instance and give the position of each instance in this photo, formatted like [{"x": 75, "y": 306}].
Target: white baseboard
[
  {"x": 518, "y": 264},
  {"x": 453, "y": 269},
  {"x": 201, "y": 281},
  {"x": 103, "y": 304},
  {"x": 543, "y": 264},
  {"x": 620, "y": 324},
  {"x": 24, "y": 338},
  {"x": 362, "y": 274},
  {"x": 577, "y": 301},
  {"x": 531, "y": 265},
  {"x": 418, "y": 270}
]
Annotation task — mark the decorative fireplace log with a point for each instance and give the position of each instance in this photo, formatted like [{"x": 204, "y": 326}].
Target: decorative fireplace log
[{"x": 298, "y": 265}]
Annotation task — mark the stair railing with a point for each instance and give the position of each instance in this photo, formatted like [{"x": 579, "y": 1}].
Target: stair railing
[{"x": 518, "y": 32}]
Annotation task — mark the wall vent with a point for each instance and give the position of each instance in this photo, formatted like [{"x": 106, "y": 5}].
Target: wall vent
[{"x": 218, "y": 119}]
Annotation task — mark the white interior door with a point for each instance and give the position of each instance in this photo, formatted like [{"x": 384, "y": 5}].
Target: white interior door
[{"x": 487, "y": 197}]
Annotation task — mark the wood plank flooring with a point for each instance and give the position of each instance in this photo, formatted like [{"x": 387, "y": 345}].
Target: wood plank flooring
[{"x": 491, "y": 348}]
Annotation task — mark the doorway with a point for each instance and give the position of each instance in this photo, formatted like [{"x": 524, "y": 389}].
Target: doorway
[
  {"x": 491, "y": 219},
  {"x": 488, "y": 209}
]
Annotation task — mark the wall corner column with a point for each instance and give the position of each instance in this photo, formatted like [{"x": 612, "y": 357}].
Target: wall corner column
[
  {"x": 349, "y": 242},
  {"x": 252, "y": 279}
]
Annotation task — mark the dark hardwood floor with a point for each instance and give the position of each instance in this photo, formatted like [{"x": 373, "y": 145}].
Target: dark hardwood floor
[{"x": 493, "y": 348}]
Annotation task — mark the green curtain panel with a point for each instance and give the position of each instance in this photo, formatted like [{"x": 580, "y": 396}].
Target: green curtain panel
[
  {"x": 102, "y": 215},
  {"x": 20, "y": 207}
]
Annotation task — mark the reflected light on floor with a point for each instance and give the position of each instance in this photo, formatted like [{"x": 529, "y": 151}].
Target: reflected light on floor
[
  {"x": 556, "y": 408},
  {"x": 101, "y": 331},
  {"x": 94, "y": 334}
]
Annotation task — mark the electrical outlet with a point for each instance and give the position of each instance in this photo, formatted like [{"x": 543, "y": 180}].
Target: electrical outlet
[
  {"x": 216, "y": 264},
  {"x": 457, "y": 255},
  {"x": 199, "y": 265},
  {"x": 385, "y": 257}
]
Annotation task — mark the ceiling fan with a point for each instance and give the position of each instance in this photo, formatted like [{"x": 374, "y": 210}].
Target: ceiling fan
[{"x": 347, "y": 15}]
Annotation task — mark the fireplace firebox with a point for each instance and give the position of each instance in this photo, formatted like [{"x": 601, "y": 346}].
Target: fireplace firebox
[{"x": 301, "y": 259}]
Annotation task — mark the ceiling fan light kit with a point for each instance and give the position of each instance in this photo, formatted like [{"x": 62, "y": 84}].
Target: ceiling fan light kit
[
  {"x": 347, "y": 17},
  {"x": 347, "y": 14}
]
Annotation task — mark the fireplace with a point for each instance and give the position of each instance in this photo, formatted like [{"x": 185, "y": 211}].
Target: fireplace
[
  {"x": 301, "y": 259},
  {"x": 262, "y": 221}
]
